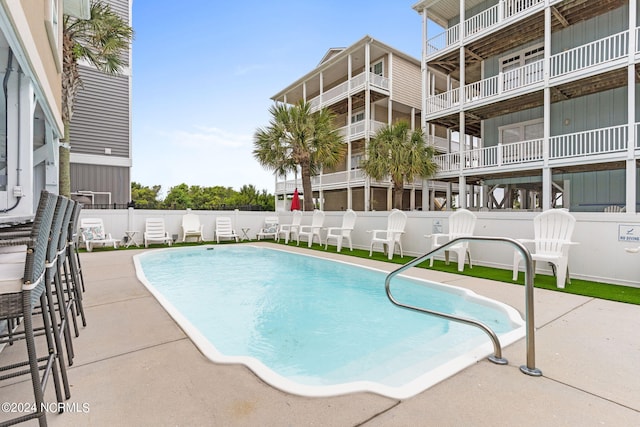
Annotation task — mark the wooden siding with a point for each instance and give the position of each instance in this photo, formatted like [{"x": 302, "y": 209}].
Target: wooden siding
[
  {"x": 101, "y": 115},
  {"x": 406, "y": 83},
  {"x": 102, "y": 178}
]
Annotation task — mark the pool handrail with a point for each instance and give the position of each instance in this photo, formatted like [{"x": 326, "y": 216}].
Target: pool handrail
[{"x": 497, "y": 358}]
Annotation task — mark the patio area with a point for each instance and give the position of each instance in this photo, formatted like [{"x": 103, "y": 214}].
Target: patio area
[{"x": 135, "y": 366}]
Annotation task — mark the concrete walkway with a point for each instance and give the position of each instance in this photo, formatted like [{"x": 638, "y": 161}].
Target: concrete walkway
[{"x": 134, "y": 366}]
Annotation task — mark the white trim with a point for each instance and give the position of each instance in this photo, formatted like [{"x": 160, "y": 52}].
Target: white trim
[
  {"x": 18, "y": 34},
  {"x": 52, "y": 25},
  {"x": 92, "y": 159}
]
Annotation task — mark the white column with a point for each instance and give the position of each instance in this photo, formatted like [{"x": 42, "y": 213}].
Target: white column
[
  {"x": 547, "y": 183},
  {"x": 631, "y": 169},
  {"x": 20, "y": 158}
]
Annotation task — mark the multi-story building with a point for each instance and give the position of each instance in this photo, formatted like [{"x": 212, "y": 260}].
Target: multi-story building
[
  {"x": 100, "y": 131},
  {"x": 543, "y": 95},
  {"x": 368, "y": 85},
  {"x": 30, "y": 110}
]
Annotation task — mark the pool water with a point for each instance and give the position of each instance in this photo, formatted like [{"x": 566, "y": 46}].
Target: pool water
[{"x": 313, "y": 326}]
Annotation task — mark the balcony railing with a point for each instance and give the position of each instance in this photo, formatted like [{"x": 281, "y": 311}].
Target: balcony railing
[
  {"x": 357, "y": 130},
  {"x": 599, "y": 141},
  {"x": 485, "y": 89},
  {"x": 581, "y": 58},
  {"x": 487, "y": 19},
  {"x": 608, "y": 140},
  {"x": 342, "y": 90},
  {"x": 591, "y": 54}
]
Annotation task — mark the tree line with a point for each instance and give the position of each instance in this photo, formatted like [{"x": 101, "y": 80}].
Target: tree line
[{"x": 196, "y": 197}]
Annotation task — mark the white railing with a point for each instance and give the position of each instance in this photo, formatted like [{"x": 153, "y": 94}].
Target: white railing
[
  {"x": 330, "y": 178},
  {"x": 379, "y": 81},
  {"x": 358, "y": 81},
  {"x": 336, "y": 92},
  {"x": 521, "y": 152},
  {"x": 598, "y": 141},
  {"x": 485, "y": 19},
  {"x": 637, "y": 40},
  {"x": 357, "y": 130},
  {"x": 443, "y": 40},
  {"x": 437, "y": 141},
  {"x": 591, "y": 54},
  {"x": 482, "y": 89},
  {"x": 514, "y": 7},
  {"x": 523, "y": 76},
  {"x": 443, "y": 101},
  {"x": 447, "y": 162},
  {"x": 504, "y": 82},
  {"x": 338, "y": 178},
  {"x": 608, "y": 140}
]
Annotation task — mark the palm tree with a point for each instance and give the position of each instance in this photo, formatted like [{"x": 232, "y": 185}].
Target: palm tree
[
  {"x": 102, "y": 40},
  {"x": 297, "y": 137},
  {"x": 401, "y": 154}
]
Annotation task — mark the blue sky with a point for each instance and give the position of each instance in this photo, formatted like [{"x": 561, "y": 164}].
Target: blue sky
[{"x": 204, "y": 72}]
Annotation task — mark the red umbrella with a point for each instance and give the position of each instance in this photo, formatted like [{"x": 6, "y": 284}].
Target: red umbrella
[{"x": 295, "y": 202}]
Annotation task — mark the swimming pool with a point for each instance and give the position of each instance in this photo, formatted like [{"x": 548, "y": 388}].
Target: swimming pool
[{"x": 318, "y": 327}]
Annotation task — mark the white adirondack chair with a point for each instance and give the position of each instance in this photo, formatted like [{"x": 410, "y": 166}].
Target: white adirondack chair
[
  {"x": 191, "y": 227},
  {"x": 391, "y": 237},
  {"x": 310, "y": 231},
  {"x": 288, "y": 230},
  {"x": 461, "y": 224},
  {"x": 552, "y": 240},
  {"x": 344, "y": 232}
]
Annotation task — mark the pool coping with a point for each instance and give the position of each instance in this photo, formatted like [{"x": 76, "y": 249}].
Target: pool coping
[{"x": 408, "y": 390}]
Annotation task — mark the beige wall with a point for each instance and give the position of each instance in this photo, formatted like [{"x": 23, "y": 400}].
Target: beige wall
[
  {"x": 45, "y": 62},
  {"x": 406, "y": 82}
]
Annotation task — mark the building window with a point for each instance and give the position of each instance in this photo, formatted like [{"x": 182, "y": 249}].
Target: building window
[
  {"x": 377, "y": 68},
  {"x": 52, "y": 26},
  {"x": 508, "y": 64},
  {"x": 524, "y": 131},
  {"x": 356, "y": 161},
  {"x": 357, "y": 117}
]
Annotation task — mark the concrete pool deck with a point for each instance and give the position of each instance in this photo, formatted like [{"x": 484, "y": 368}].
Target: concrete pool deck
[{"x": 135, "y": 366}]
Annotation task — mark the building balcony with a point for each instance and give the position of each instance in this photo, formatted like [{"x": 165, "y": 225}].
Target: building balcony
[
  {"x": 503, "y": 13},
  {"x": 598, "y": 145},
  {"x": 354, "y": 85},
  {"x": 359, "y": 130},
  {"x": 580, "y": 62}
]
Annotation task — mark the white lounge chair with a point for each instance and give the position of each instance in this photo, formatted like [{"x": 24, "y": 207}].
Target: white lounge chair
[
  {"x": 270, "y": 228},
  {"x": 391, "y": 237},
  {"x": 310, "y": 231},
  {"x": 552, "y": 239},
  {"x": 288, "y": 230},
  {"x": 154, "y": 232},
  {"x": 344, "y": 232},
  {"x": 93, "y": 233},
  {"x": 461, "y": 224},
  {"x": 191, "y": 227},
  {"x": 224, "y": 229}
]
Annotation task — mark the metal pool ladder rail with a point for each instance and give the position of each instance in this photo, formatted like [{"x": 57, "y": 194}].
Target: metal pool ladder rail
[{"x": 497, "y": 358}]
